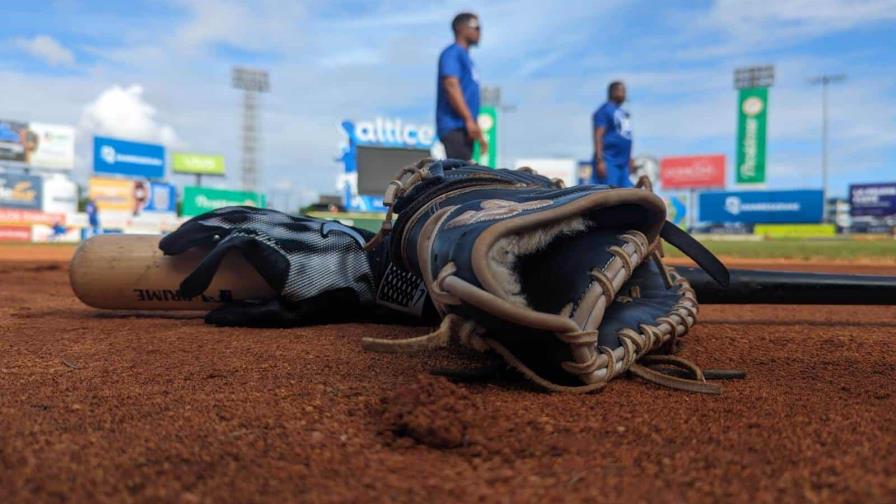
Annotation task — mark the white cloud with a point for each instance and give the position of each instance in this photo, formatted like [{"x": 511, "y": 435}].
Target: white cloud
[
  {"x": 751, "y": 25},
  {"x": 256, "y": 26},
  {"x": 123, "y": 112},
  {"x": 47, "y": 49}
]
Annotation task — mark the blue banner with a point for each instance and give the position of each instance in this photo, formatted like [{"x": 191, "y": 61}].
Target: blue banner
[
  {"x": 160, "y": 197},
  {"x": 753, "y": 207},
  {"x": 21, "y": 191},
  {"x": 875, "y": 200},
  {"x": 134, "y": 159}
]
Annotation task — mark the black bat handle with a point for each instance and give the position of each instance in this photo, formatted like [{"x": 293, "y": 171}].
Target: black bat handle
[{"x": 788, "y": 287}]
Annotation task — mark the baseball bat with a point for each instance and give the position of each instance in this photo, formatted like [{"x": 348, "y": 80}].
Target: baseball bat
[{"x": 129, "y": 272}]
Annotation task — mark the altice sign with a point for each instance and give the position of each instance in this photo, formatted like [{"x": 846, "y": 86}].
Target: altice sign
[{"x": 393, "y": 132}]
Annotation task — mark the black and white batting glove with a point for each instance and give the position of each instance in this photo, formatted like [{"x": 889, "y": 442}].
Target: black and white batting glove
[{"x": 319, "y": 268}]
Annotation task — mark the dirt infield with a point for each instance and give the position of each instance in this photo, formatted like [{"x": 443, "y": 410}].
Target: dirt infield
[{"x": 128, "y": 407}]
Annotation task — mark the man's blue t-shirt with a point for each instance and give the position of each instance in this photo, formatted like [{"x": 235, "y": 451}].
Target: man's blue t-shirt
[
  {"x": 92, "y": 214},
  {"x": 455, "y": 62},
  {"x": 617, "y": 134}
]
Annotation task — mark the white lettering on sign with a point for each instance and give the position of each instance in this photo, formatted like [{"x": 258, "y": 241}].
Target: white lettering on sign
[
  {"x": 393, "y": 131},
  {"x": 204, "y": 201},
  {"x": 110, "y": 156},
  {"x": 735, "y": 206},
  {"x": 748, "y": 168}
]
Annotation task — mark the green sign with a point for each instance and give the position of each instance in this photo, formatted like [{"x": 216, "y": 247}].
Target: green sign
[
  {"x": 197, "y": 164},
  {"x": 198, "y": 200},
  {"x": 752, "y": 110},
  {"x": 488, "y": 122}
]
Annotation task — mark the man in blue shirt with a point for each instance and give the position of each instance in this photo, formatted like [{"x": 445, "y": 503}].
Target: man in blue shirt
[
  {"x": 612, "y": 130},
  {"x": 457, "y": 95}
]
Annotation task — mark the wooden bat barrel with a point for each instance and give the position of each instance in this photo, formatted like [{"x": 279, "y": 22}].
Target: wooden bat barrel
[{"x": 129, "y": 272}]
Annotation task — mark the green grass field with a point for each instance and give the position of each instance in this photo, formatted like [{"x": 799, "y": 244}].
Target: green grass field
[{"x": 833, "y": 249}]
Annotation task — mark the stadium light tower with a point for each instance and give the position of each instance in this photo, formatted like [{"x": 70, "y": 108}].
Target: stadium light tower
[
  {"x": 754, "y": 76},
  {"x": 251, "y": 82},
  {"x": 824, "y": 81}
]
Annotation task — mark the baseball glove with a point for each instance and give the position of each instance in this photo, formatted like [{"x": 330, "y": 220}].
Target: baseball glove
[
  {"x": 319, "y": 268},
  {"x": 565, "y": 284}
]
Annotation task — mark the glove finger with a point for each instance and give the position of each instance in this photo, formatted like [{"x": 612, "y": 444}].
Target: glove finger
[
  {"x": 200, "y": 278},
  {"x": 198, "y": 230},
  {"x": 191, "y": 234}
]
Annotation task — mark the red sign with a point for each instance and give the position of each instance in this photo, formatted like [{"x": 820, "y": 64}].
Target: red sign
[
  {"x": 11, "y": 233},
  {"x": 24, "y": 217},
  {"x": 693, "y": 172}
]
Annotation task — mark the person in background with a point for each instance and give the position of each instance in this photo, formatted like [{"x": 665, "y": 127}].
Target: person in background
[
  {"x": 457, "y": 96},
  {"x": 93, "y": 218},
  {"x": 612, "y": 130},
  {"x": 59, "y": 231}
]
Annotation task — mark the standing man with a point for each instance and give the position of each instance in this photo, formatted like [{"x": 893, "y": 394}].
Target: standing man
[
  {"x": 612, "y": 131},
  {"x": 93, "y": 219},
  {"x": 457, "y": 96}
]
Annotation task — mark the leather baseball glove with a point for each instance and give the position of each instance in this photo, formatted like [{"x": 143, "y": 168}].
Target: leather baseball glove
[
  {"x": 319, "y": 268},
  {"x": 565, "y": 284}
]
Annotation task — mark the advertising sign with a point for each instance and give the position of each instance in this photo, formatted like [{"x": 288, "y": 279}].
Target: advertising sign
[
  {"x": 584, "y": 171},
  {"x": 16, "y": 142},
  {"x": 112, "y": 195},
  {"x": 13, "y": 216},
  {"x": 21, "y": 191},
  {"x": 693, "y": 172},
  {"x": 677, "y": 209},
  {"x": 488, "y": 123},
  {"x": 60, "y": 194},
  {"x": 132, "y": 196},
  {"x": 159, "y": 197},
  {"x": 198, "y": 200},
  {"x": 762, "y": 206},
  {"x": 875, "y": 200},
  {"x": 15, "y": 233},
  {"x": 795, "y": 230},
  {"x": 752, "y": 110},
  {"x": 197, "y": 164},
  {"x": 122, "y": 157},
  {"x": 55, "y": 146},
  {"x": 390, "y": 132},
  {"x": 378, "y": 135}
]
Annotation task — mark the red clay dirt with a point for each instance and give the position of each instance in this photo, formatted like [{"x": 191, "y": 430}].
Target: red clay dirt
[{"x": 113, "y": 406}]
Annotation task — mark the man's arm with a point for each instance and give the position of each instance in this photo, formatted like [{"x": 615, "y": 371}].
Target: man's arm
[
  {"x": 599, "y": 164},
  {"x": 456, "y": 99}
]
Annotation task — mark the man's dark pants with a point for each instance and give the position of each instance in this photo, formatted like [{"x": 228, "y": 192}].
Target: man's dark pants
[{"x": 457, "y": 144}]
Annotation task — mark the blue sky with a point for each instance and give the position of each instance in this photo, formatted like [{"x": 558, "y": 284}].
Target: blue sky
[{"x": 160, "y": 71}]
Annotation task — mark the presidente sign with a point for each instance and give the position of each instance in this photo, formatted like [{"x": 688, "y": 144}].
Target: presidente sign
[
  {"x": 752, "y": 111},
  {"x": 762, "y": 206},
  {"x": 197, "y": 164},
  {"x": 20, "y": 191},
  {"x": 693, "y": 172},
  {"x": 123, "y": 157},
  {"x": 390, "y": 133},
  {"x": 198, "y": 200},
  {"x": 488, "y": 123},
  {"x": 872, "y": 200}
]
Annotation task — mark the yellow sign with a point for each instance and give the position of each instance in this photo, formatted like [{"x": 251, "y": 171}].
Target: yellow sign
[
  {"x": 795, "y": 230},
  {"x": 112, "y": 195}
]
